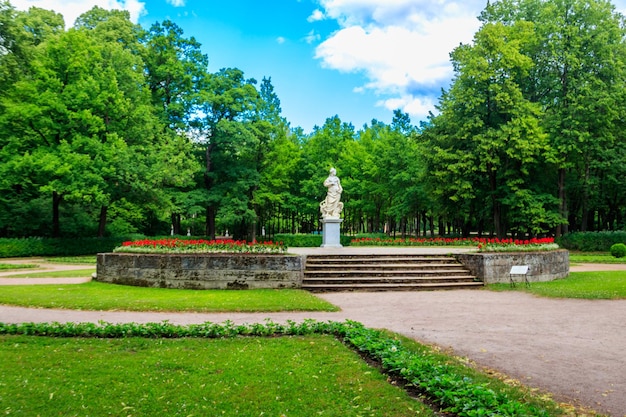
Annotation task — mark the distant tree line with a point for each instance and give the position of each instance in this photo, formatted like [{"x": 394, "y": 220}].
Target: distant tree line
[{"x": 108, "y": 128}]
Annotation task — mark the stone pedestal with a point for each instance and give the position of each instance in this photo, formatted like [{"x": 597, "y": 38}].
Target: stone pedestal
[{"x": 330, "y": 233}]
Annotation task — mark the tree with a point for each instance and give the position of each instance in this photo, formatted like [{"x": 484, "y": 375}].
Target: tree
[
  {"x": 82, "y": 128},
  {"x": 487, "y": 140},
  {"x": 175, "y": 68},
  {"x": 578, "y": 79}
]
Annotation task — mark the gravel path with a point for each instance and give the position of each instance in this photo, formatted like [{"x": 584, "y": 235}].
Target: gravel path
[{"x": 574, "y": 349}]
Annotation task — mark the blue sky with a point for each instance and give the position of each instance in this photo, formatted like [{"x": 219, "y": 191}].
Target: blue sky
[{"x": 358, "y": 59}]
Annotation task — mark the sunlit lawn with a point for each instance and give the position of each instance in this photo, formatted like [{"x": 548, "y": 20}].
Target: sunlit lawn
[
  {"x": 594, "y": 257},
  {"x": 6, "y": 266},
  {"x": 101, "y": 296},
  {"x": 590, "y": 285},
  {"x": 72, "y": 273},
  {"x": 284, "y": 376}
]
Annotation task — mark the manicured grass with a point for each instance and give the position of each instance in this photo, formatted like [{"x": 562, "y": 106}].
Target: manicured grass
[
  {"x": 78, "y": 273},
  {"x": 16, "y": 266},
  {"x": 595, "y": 258},
  {"x": 100, "y": 296},
  {"x": 284, "y": 376},
  {"x": 600, "y": 285},
  {"x": 91, "y": 259}
]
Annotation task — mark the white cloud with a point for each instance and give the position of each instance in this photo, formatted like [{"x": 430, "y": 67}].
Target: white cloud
[
  {"x": 71, "y": 9},
  {"x": 402, "y": 47},
  {"x": 312, "y": 37},
  {"x": 176, "y": 3},
  {"x": 317, "y": 15},
  {"x": 280, "y": 40}
]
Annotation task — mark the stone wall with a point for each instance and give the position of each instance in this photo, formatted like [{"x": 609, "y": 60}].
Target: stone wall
[
  {"x": 495, "y": 267},
  {"x": 201, "y": 271}
]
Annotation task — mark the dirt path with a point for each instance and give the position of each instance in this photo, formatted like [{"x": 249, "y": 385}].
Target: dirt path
[{"x": 573, "y": 349}]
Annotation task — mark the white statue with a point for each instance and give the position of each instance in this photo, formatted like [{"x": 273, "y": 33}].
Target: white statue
[{"x": 331, "y": 207}]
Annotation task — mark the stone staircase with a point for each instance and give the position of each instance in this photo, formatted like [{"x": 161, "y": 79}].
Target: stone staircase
[{"x": 386, "y": 273}]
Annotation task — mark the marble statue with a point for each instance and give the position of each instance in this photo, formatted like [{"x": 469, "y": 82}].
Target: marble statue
[{"x": 331, "y": 207}]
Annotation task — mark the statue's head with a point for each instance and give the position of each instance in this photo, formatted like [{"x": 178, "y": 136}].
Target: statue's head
[{"x": 333, "y": 171}]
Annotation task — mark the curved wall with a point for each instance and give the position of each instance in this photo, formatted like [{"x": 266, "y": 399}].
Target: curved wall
[
  {"x": 200, "y": 271},
  {"x": 495, "y": 267}
]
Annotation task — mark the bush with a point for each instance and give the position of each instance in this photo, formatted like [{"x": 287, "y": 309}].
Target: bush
[
  {"x": 591, "y": 241},
  {"x": 618, "y": 250},
  {"x": 305, "y": 240},
  {"x": 37, "y": 246}
]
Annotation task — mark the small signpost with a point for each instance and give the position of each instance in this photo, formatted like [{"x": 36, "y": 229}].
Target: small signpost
[{"x": 519, "y": 270}]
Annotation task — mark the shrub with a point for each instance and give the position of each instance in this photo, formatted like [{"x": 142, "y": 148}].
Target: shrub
[
  {"x": 618, "y": 250},
  {"x": 591, "y": 241},
  {"x": 37, "y": 246},
  {"x": 305, "y": 240}
]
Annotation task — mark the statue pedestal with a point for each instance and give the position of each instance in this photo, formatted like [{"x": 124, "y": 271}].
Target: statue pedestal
[{"x": 330, "y": 233}]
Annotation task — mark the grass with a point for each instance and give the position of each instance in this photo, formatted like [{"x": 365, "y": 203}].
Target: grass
[
  {"x": 73, "y": 259},
  {"x": 16, "y": 266},
  {"x": 598, "y": 285},
  {"x": 101, "y": 296},
  {"x": 77, "y": 273},
  {"x": 594, "y": 257},
  {"x": 283, "y": 376}
]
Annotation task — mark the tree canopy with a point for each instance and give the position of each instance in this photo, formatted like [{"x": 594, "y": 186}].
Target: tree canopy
[{"x": 110, "y": 128}]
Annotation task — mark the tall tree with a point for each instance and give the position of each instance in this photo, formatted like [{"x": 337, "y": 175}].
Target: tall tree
[
  {"x": 578, "y": 79},
  {"x": 226, "y": 103},
  {"x": 488, "y": 138}
]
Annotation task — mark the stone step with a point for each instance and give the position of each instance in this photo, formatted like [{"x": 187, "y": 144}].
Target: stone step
[
  {"x": 395, "y": 279},
  {"x": 340, "y": 259},
  {"x": 385, "y": 273},
  {"x": 375, "y": 267},
  {"x": 392, "y": 287}
]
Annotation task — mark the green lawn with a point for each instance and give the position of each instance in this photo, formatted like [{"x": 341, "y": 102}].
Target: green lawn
[
  {"x": 600, "y": 285},
  {"x": 91, "y": 259},
  {"x": 78, "y": 273},
  {"x": 16, "y": 266},
  {"x": 100, "y": 296},
  {"x": 252, "y": 376},
  {"x": 595, "y": 258}
]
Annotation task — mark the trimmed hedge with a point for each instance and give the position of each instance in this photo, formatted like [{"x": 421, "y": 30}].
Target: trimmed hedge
[
  {"x": 591, "y": 241},
  {"x": 442, "y": 383},
  {"x": 37, "y": 246},
  {"x": 306, "y": 241},
  {"x": 618, "y": 250}
]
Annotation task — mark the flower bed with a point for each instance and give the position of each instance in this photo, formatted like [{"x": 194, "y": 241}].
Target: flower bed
[
  {"x": 483, "y": 244},
  {"x": 199, "y": 246}
]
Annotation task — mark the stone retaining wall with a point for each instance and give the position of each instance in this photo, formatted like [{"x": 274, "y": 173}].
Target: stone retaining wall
[
  {"x": 495, "y": 267},
  {"x": 201, "y": 271}
]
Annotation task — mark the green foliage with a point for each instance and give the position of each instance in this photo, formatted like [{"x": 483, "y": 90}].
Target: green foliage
[
  {"x": 591, "y": 241},
  {"x": 32, "y": 246},
  {"x": 306, "y": 240},
  {"x": 618, "y": 250}
]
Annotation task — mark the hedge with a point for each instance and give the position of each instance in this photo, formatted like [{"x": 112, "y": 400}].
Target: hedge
[
  {"x": 37, "y": 246},
  {"x": 591, "y": 241},
  {"x": 306, "y": 240}
]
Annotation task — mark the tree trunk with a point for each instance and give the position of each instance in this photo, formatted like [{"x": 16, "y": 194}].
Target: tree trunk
[
  {"x": 210, "y": 222},
  {"x": 102, "y": 222},
  {"x": 495, "y": 207},
  {"x": 562, "y": 229},
  {"x": 56, "y": 225}
]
